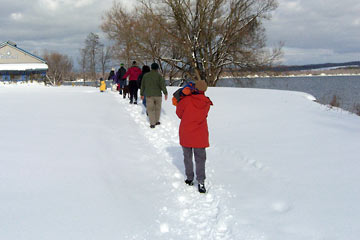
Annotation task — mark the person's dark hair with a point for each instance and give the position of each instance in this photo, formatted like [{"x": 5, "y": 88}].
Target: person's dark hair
[
  {"x": 134, "y": 63},
  {"x": 154, "y": 66},
  {"x": 145, "y": 69}
]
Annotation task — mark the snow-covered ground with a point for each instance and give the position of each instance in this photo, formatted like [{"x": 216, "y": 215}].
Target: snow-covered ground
[{"x": 79, "y": 164}]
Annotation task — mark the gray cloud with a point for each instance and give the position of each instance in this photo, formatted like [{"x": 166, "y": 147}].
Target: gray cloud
[
  {"x": 313, "y": 31},
  {"x": 53, "y": 25},
  {"x": 317, "y": 31}
]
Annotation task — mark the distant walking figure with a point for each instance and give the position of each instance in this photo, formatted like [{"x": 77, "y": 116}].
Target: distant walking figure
[
  {"x": 145, "y": 69},
  {"x": 102, "y": 85},
  {"x": 133, "y": 73},
  {"x": 152, "y": 85},
  {"x": 112, "y": 75},
  {"x": 119, "y": 78},
  {"x": 112, "y": 78}
]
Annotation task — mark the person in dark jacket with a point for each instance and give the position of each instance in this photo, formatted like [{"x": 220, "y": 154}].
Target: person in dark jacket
[
  {"x": 112, "y": 75},
  {"x": 133, "y": 73},
  {"x": 193, "y": 133},
  {"x": 145, "y": 69},
  {"x": 119, "y": 78},
  {"x": 152, "y": 86}
]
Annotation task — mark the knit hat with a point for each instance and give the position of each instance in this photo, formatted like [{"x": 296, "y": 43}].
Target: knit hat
[
  {"x": 201, "y": 85},
  {"x": 121, "y": 65},
  {"x": 154, "y": 66}
]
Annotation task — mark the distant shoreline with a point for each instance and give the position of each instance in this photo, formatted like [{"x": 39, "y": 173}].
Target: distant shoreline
[{"x": 295, "y": 75}]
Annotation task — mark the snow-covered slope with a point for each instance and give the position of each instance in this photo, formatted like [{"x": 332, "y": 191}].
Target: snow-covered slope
[{"x": 79, "y": 164}]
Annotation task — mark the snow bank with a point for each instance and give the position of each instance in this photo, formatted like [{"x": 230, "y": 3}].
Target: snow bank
[{"x": 9, "y": 84}]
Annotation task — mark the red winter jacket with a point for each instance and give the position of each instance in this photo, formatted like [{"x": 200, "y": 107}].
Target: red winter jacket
[
  {"x": 193, "y": 111},
  {"x": 133, "y": 73}
]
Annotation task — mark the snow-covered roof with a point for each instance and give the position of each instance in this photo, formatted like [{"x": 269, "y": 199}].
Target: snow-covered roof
[{"x": 23, "y": 67}]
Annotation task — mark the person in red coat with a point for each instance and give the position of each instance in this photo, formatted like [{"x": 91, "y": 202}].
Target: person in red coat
[
  {"x": 133, "y": 73},
  {"x": 193, "y": 133}
]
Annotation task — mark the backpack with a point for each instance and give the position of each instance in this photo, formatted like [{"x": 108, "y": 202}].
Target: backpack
[{"x": 179, "y": 94}]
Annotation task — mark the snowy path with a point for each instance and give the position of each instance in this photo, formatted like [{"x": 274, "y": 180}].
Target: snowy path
[{"x": 188, "y": 213}]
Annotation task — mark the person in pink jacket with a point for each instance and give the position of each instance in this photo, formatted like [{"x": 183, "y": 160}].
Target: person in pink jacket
[{"x": 133, "y": 73}]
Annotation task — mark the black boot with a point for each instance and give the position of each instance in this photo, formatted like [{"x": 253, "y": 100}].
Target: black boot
[
  {"x": 201, "y": 188},
  {"x": 189, "y": 182}
]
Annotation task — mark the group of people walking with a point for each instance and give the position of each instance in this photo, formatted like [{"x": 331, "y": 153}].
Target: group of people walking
[
  {"x": 192, "y": 108},
  {"x": 151, "y": 84}
]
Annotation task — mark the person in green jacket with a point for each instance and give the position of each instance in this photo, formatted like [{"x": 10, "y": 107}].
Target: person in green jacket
[{"x": 152, "y": 85}]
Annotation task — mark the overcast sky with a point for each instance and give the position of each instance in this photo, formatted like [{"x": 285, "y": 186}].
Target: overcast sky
[{"x": 313, "y": 31}]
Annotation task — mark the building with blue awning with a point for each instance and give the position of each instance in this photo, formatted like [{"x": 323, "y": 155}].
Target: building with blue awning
[{"x": 17, "y": 64}]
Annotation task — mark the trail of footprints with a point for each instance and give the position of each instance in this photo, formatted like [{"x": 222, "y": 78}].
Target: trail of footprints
[
  {"x": 201, "y": 216},
  {"x": 189, "y": 214}
]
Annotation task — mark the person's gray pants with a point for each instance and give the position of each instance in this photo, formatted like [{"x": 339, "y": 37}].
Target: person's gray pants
[
  {"x": 153, "y": 107},
  {"x": 200, "y": 159}
]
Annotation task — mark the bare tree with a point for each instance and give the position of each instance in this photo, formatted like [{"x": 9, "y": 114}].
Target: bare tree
[
  {"x": 104, "y": 58},
  {"x": 83, "y": 63},
  {"x": 202, "y": 38},
  {"x": 94, "y": 57},
  {"x": 60, "y": 67},
  {"x": 118, "y": 24},
  {"x": 136, "y": 38},
  {"x": 92, "y": 46}
]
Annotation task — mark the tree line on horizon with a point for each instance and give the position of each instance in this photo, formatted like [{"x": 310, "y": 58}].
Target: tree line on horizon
[{"x": 283, "y": 68}]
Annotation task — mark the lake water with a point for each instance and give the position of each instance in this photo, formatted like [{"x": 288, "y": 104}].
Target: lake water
[{"x": 323, "y": 88}]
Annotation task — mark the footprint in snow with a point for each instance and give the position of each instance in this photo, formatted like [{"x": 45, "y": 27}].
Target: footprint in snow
[
  {"x": 281, "y": 207},
  {"x": 176, "y": 185},
  {"x": 164, "y": 228}
]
